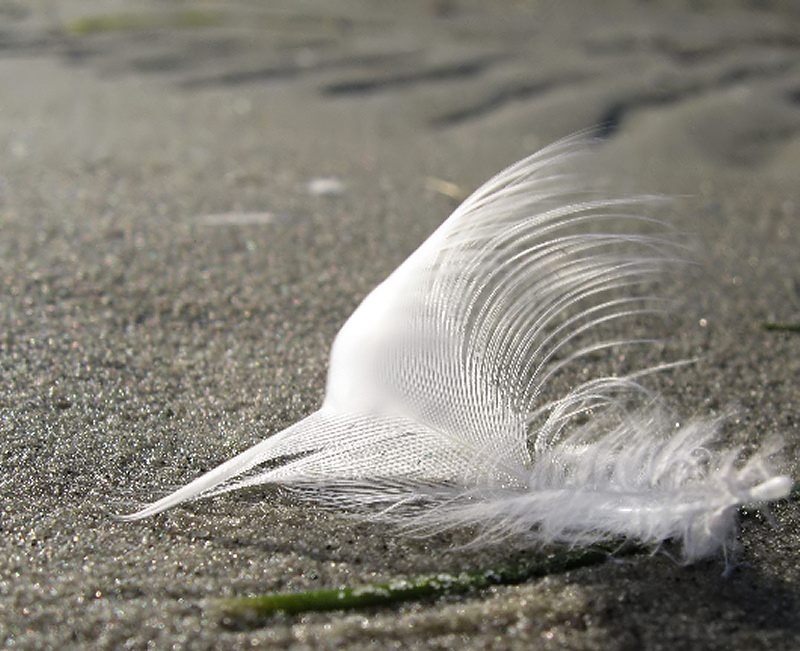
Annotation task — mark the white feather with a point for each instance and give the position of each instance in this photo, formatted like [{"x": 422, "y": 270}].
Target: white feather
[{"x": 436, "y": 415}]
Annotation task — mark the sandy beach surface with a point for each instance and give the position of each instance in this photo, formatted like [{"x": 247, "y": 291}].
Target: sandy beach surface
[{"x": 195, "y": 195}]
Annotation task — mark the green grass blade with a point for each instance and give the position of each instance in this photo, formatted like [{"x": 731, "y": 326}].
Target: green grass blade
[
  {"x": 250, "y": 610},
  {"x": 781, "y": 327}
]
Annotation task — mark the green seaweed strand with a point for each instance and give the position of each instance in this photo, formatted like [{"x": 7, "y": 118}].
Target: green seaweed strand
[
  {"x": 782, "y": 327},
  {"x": 251, "y": 609}
]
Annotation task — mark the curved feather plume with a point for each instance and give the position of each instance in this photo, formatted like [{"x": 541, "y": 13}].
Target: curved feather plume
[{"x": 438, "y": 410}]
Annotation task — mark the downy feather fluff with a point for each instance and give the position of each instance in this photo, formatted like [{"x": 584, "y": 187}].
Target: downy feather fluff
[{"x": 438, "y": 410}]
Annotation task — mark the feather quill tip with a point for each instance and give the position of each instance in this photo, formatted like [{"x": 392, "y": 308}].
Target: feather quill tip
[{"x": 770, "y": 490}]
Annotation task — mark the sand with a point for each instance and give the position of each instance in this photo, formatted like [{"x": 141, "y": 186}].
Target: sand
[{"x": 194, "y": 197}]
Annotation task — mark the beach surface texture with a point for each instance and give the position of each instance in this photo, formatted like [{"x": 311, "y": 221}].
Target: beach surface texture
[{"x": 194, "y": 196}]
